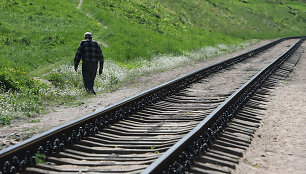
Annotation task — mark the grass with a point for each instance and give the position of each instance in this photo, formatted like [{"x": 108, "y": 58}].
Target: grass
[
  {"x": 37, "y": 34},
  {"x": 39, "y": 38},
  {"x": 147, "y": 28},
  {"x": 144, "y": 29},
  {"x": 40, "y": 159}
]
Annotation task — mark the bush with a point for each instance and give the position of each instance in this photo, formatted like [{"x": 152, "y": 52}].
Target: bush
[
  {"x": 20, "y": 95},
  {"x": 13, "y": 80},
  {"x": 56, "y": 79}
]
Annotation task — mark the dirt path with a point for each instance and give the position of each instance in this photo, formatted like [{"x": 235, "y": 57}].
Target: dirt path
[
  {"x": 103, "y": 26},
  {"x": 80, "y": 3},
  {"x": 279, "y": 145}
]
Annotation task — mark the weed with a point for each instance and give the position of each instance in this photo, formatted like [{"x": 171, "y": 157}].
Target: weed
[
  {"x": 40, "y": 158},
  {"x": 35, "y": 121}
]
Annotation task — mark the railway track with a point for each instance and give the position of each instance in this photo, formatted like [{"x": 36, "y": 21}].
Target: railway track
[
  {"x": 152, "y": 132},
  {"x": 226, "y": 151}
]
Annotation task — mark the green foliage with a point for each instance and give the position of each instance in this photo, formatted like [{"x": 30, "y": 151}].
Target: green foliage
[
  {"x": 40, "y": 33},
  {"x": 35, "y": 121},
  {"x": 144, "y": 28},
  {"x": 12, "y": 79},
  {"x": 21, "y": 95},
  {"x": 149, "y": 14},
  {"x": 64, "y": 76},
  {"x": 56, "y": 79},
  {"x": 40, "y": 159}
]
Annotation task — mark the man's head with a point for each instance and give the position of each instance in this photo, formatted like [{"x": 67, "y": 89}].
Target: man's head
[{"x": 87, "y": 35}]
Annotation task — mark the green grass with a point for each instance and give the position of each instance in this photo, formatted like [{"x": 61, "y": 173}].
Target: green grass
[
  {"x": 146, "y": 28},
  {"x": 37, "y": 34},
  {"x": 38, "y": 38}
]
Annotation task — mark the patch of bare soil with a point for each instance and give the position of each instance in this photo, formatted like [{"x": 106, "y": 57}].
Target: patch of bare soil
[
  {"x": 23, "y": 129},
  {"x": 279, "y": 145}
]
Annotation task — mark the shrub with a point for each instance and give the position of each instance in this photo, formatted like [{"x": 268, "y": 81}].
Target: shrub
[
  {"x": 56, "y": 79},
  {"x": 13, "y": 80}
]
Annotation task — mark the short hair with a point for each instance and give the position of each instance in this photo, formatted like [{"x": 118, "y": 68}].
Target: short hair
[{"x": 88, "y": 35}]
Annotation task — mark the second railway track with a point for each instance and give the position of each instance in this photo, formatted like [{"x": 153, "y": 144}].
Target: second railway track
[{"x": 150, "y": 123}]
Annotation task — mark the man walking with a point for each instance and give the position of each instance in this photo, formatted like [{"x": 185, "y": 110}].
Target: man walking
[{"x": 90, "y": 53}]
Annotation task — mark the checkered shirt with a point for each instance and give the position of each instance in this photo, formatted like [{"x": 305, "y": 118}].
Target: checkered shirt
[{"x": 89, "y": 50}]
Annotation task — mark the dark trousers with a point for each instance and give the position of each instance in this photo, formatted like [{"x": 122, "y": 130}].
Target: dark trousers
[{"x": 89, "y": 72}]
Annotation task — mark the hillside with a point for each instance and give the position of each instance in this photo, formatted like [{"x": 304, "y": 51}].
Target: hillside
[
  {"x": 145, "y": 28},
  {"x": 39, "y": 39}
]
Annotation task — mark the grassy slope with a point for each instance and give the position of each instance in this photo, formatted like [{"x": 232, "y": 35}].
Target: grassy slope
[
  {"x": 35, "y": 37},
  {"x": 38, "y": 35},
  {"x": 41, "y": 32},
  {"x": 144, "y": 28}
]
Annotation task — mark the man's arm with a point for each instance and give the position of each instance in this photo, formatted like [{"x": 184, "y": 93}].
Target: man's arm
[
  {"x": 101, "y": 60},
  {"x": 77, "y": 58}
]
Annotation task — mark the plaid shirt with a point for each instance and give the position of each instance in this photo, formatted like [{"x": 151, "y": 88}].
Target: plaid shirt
[{"x": 89, "y": 50}]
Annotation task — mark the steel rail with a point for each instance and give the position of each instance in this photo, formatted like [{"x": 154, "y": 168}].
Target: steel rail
[
  {"x": 180, "y": 157},
  {"x": 16, "y": 158}
]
